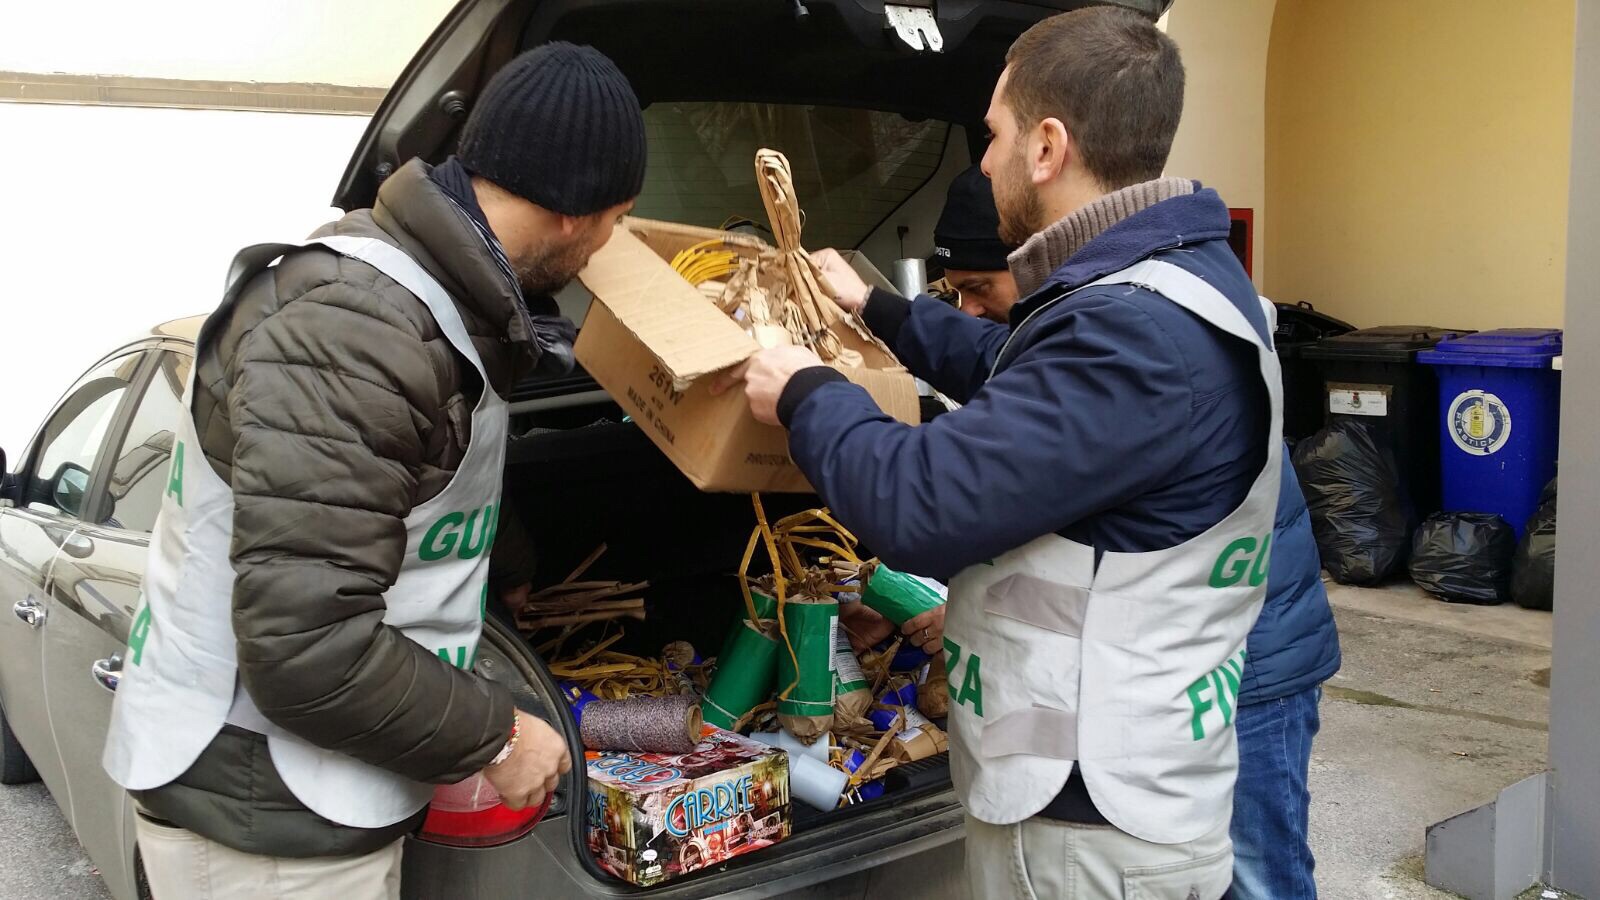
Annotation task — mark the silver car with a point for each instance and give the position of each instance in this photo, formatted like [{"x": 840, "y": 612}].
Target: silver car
[{"x": 877, "y": 107}]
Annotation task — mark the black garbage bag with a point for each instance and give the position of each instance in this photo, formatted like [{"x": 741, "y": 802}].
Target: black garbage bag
[
  {"x": 1464, "y": 557},
  {"x": 1359, "y": 511},
  {"x": 1533, "y": 570}
]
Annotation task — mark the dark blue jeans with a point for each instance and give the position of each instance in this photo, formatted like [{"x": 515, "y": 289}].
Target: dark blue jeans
[{"x": 1271, "y": 803}]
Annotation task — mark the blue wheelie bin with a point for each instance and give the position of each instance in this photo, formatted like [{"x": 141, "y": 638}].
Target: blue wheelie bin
[{"x": 1499, "y": 419}]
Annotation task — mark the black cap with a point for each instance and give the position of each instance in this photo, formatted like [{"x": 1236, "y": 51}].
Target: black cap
[
  {"x": 968, "y": 234},
  {"x": 559, "y": 125}
]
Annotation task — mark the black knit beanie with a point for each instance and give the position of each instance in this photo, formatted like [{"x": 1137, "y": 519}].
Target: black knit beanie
[
  {"x": 967, "y": 236},
  {"x": 560, "y": 126}
]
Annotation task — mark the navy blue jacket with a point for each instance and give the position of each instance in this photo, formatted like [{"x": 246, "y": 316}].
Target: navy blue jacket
[
  {"x": 1294, "y": 645},
  {"x": 1115, "y": 418}
]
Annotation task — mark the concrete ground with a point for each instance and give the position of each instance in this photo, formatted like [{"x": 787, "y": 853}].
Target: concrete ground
[
  {"x": 39, "y": 857},
  {"x": 1437, "y": 708}
]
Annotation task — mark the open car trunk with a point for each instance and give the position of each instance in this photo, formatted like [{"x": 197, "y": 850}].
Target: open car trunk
[
  {"x": 875, "y": 131},
  {"x": 606, "y": 483}
]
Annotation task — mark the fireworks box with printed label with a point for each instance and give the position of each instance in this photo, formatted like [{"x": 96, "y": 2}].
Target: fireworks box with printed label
[{"x": 653, "y": 817}]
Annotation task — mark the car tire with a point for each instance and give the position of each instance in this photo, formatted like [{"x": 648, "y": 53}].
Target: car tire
[{"x": 15, "y": 768}]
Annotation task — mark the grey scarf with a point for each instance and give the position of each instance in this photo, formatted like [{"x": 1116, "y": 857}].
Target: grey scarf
[{"x": 1041, "y": 255}]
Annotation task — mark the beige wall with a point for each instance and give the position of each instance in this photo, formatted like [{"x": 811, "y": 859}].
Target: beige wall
[
  {"x": 1221, "y": 140},
  {"x": 362, "y": 43},
  {"x": 1417, "y": 159}
]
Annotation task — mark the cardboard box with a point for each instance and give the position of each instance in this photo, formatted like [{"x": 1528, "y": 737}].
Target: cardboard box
[
  {"x": 653, "y": 341},
  {"x": 653, "y": 817}
]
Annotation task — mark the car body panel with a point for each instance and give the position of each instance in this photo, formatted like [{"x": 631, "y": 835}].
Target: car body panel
[
  {"x": 93, "y": 596},
  {"x": 29, "y": 543}
]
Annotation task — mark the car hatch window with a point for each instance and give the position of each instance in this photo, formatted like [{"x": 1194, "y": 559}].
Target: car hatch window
[
  {"x": 138, "y": 475},
  {"x": 70, "y": 444},
  {"x": 852, "y": 167}
]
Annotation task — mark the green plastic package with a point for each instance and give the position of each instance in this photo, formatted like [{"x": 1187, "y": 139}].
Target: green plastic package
[{"x": 898, "y": 596}]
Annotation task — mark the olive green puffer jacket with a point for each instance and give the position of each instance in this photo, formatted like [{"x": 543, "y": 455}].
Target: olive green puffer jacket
[{"x": 332, "y": 403}]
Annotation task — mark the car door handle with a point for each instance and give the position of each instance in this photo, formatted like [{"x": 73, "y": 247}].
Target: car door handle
[
  {"x": 107, "y": 672},
  {"x": 29, "y": 611}
]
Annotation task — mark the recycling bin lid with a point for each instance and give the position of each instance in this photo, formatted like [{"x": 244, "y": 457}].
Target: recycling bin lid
[
  {"x": 1515, "y": 348},
  {"x": 1301, "y": 323},
  {"x": 1385, "y": 343}
]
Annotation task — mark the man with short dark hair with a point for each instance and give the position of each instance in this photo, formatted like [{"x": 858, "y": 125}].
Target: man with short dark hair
[
  {"x": 300, "y": 672},
  {"x": 1292, "y": 650},
  {"x": 1102, "y": 504}
]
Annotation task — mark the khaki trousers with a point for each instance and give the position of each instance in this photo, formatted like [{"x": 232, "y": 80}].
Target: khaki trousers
[
  {"x": 182, "y": 865},
  {"x": 1042, "y": 859}
]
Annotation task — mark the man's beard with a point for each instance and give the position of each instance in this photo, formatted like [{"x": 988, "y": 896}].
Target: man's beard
[
  {"x": 1020, "y": 207},
  {"x": 552, "y": 268}
]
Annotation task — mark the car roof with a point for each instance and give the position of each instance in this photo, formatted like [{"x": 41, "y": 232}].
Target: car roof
[{"x": 186, "y": 329}]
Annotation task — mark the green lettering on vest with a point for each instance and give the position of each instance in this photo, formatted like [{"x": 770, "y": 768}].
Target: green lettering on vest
[
  {"x": 952, "y": 652},
  {"x": 175, "y": 475},
  {"x": 1223, "y": 684},
  {"x": 1201, "y": 705},
  {"x": 1222, "y": 699},
  {"x": 469, "y": 547},
  {"x": 1258, "y": 572},
  {"x": 972, "y": 686},
  {"x": 1229, "y": 570},
  {"x": 140, "y": 631},
  {"x": 433, "y": 546}
]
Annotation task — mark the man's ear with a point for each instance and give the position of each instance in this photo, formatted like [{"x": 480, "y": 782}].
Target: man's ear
[
  {"x": 569, "y": 225},
  {"x": 1051, "y": 152}
]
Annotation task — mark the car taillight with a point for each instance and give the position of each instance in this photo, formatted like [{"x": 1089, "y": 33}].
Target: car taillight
[{"x": 470, "y": 814}]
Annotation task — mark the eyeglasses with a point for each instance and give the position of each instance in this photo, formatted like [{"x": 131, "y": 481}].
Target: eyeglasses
[{"x": 945, "y": 291}]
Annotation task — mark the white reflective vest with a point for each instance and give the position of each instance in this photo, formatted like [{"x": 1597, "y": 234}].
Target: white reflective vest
[
  {"x": 1130, "y": 670},
  {"x": 180, "y": 681}
]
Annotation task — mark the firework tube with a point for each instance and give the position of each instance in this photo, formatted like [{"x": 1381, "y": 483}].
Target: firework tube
[
  {"x": 869, "y": 790},
  {"x": 679, "y": 655},
  {"x": 816, "y": 783},
  {"x": 918, "y": 742},
  {"x": 852, "y": 691},
  {"x": 747, "y": 670},
  {"x": 577, "y": 698},
  {"x": 766, "y": 610},
  {"x": 805, "y": 668},
  {"x": 898, "y": 596},
  {"x": 783, "y": 740},
  {"x": 890, "y": 704},
  {"x": 933, "y": 694},
  {"x": 909, "y": 658}
]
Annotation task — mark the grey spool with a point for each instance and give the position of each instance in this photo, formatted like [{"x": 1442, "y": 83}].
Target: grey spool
[{"x": 668, "y": 724}]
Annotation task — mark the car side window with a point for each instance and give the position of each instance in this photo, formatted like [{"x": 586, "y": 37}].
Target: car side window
[
  {"x": 69, "y": 445},
  {"x": 138, "y": 476}
]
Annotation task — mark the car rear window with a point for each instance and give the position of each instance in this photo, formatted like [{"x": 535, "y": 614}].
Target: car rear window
[{"x": 852, "y": 167}]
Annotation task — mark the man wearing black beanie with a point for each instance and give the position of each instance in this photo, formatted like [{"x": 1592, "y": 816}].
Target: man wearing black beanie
[
  {"x": 967, "y": 245},
  {"x": 301, "y": 672}
]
